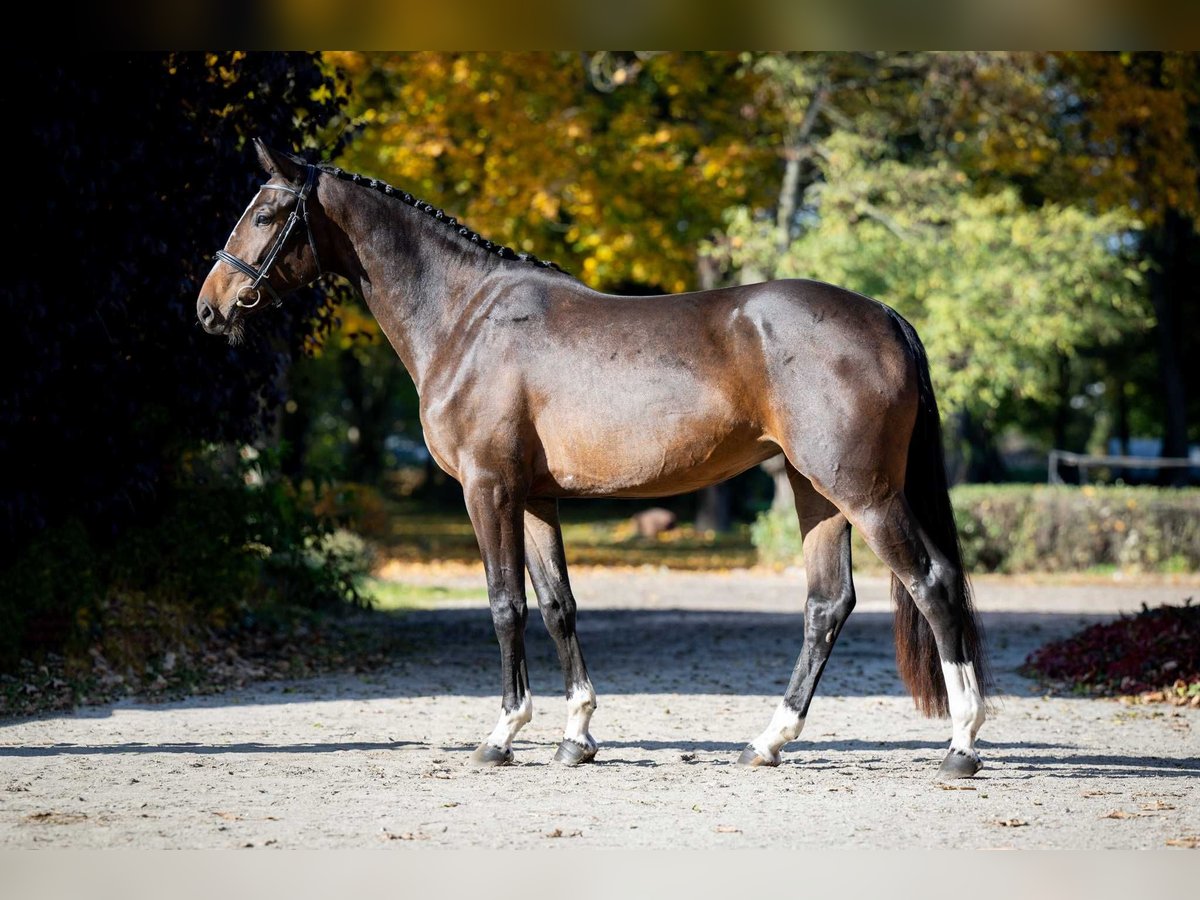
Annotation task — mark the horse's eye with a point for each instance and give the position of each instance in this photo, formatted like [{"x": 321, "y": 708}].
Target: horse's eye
[{"x": 262, "y": 219}]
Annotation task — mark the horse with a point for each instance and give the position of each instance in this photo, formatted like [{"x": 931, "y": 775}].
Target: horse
[{"x": 534, "y": 387}]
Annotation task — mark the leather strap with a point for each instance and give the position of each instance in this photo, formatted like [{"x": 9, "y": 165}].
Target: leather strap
[{"x": 261, "y": 274}]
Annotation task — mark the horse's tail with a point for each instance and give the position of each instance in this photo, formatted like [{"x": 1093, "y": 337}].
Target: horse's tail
[{"x": 928, "y": 497}]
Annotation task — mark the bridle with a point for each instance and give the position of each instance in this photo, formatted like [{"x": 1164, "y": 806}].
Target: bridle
[{"x": 260, "y": 275}]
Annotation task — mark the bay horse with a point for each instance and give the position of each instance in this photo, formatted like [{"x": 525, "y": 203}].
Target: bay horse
[{"x": 534, "y": 387}]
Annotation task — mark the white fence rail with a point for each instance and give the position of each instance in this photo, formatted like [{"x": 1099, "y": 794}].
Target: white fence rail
[{"x": 1085, "y": 461}]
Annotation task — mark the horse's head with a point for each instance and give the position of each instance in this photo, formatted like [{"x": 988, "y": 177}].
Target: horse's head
[{"x": 270, "y": 252}]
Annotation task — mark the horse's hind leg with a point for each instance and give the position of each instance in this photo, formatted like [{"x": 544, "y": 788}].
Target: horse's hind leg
[
  {"x": 548, "y": 570},
  {"x": 830, "y": 600},
  {"x": 938, "y": 590}
]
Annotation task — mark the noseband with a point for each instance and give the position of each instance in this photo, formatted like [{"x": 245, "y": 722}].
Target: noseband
[{"x": 260, "y": 275}]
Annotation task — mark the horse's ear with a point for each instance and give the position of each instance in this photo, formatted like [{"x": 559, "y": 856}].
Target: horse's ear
[{"x": 275, "y": 162}]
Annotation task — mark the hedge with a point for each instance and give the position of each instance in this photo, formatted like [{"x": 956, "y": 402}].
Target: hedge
[{"x": 1039, "y": 528}]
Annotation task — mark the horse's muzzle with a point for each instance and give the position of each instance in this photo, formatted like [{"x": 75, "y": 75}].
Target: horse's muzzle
[{"x": 213, "y": 321}]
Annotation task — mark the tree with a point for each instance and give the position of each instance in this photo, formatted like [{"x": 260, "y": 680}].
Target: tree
[
  {"x": 948, "y": 131},
  {"x": 126, "y": 172},
  {"x": 1135, "y": 137},
  {"x": 1001, "y": 293},
  {"x": 614, "y": 165}
]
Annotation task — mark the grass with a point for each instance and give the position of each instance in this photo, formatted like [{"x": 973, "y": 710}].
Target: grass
[
  {"x": 423, "y": 536},
  {"x": 395, "y": 596}
]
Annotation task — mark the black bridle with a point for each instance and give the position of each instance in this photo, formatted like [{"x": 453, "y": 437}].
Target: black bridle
[{"x": 260, "y": 275}]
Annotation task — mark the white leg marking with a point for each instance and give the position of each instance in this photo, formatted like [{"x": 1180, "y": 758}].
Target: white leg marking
[
  {"x": 966, "y": 705},
  {"x": 580, "y": 706},
  {"x": 785, "y": 726},
  {"x": 510, "y": 723}
]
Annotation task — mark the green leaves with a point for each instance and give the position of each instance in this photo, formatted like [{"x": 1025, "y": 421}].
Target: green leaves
[{"x": 998, "y": 290}]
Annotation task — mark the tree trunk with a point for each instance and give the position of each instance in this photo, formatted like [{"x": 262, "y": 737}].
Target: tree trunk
[
  {"x": 784, "y": 498},
  {"x": 1169, "y": 246},
  {"x": 980, "y": 461},
  {"x": 365, "y": 462},
  {"x": 715, "y": 509},
  {"x": 1122, "y": 425},
  {"x": 1062, "y": 412}
]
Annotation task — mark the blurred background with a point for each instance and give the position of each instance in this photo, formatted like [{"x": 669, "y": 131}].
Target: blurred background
[{"x": 168, "y": 499}]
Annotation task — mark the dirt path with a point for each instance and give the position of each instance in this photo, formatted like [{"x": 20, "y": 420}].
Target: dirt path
[{"x": 688, "y": 667}]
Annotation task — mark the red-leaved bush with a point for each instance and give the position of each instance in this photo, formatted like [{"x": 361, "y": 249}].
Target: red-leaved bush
[{"x": 1155, "y": 653}]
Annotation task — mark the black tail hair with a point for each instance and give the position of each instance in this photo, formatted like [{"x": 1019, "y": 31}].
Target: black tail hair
[{"x": 928, "y": 496}]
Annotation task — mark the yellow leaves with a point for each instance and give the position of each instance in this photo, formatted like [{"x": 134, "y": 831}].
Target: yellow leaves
[
  {"x": 1135, "y": 123},
  {"x": 522, "y": 148},
  {"x": 544, "y": 205},
  {"x": 352, "y": 62}
]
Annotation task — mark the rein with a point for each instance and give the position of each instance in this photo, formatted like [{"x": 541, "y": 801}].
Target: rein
[{"x": 261, "y": 274}]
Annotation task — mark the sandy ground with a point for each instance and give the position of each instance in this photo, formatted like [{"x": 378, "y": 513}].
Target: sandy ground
[{"x": 688, "y": 667}]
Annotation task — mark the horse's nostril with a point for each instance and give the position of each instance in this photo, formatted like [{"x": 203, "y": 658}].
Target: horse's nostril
[{"x": 206, "y": 313}]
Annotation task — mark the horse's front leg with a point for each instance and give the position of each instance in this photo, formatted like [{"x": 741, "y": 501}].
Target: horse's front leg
[
  {"x": 548, "y": 570},
  {"x": 496, "y": 506}
]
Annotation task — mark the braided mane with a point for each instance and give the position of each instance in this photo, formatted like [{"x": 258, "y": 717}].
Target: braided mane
[{"x": 439, "y": 215}]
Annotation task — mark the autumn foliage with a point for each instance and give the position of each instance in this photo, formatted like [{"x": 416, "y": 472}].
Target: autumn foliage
[
  {"x": 616, "y": 168},
  {"x": 1155, "y": 652}
]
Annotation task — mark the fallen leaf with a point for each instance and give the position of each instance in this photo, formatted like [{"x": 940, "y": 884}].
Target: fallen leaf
[
  {"x": 1156, "y": 805},
  {"x": 956, "y": 787},
  {"x": 405, "y": 836},
  {"x": 1191, "y": 842},
  {"x": 1010, "y": 823},
  {"x": 728, "y": 829},
  {"x": 227, "y": 816},
  {"x": 1097, "y": 793},
  {"x": 1122, "y": 814},
  {"x": 56, "y": 818},
  {"x": 559, "y": 833}
]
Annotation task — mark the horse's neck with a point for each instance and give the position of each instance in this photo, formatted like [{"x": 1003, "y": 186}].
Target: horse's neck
[{"x": 416, "y": 283}]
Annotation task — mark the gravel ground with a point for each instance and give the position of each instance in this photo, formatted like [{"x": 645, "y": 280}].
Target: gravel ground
[{"x": 688, "y": 668}]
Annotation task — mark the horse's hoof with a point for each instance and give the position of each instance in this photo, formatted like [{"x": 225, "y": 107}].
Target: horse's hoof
[
  {"x": 959, "y": 764},
  {"x": 487, "y": 755},
  {"x": 571, "y": 753},
  {"x": 751, "y": 757}
]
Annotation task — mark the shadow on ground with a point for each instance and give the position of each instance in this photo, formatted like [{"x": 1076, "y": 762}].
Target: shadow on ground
[{"x": 630, "y": 651}]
